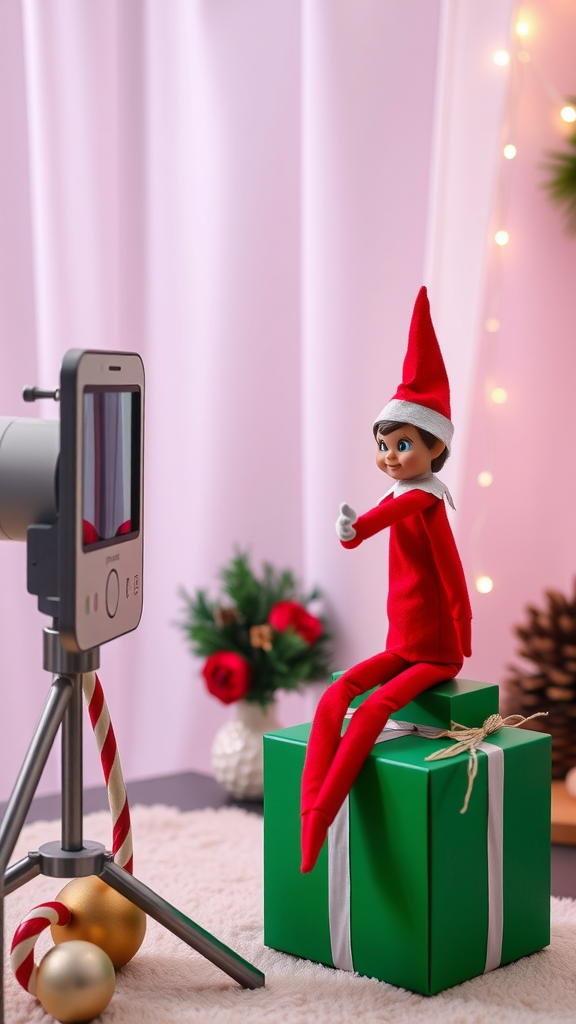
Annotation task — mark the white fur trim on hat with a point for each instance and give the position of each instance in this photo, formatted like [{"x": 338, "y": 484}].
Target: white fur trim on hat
[{"x": 418, "y": 416}]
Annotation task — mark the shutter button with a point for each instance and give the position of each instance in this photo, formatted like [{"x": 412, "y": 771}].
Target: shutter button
[{"x": 112, "y": 593}]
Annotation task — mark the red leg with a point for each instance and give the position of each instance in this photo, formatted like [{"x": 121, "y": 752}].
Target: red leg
[
  {"x": 356, "y": 744},
  {"x": 327, "y": 724}
]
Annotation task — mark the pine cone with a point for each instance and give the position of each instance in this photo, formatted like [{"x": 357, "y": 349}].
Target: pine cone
[
  {"x": 226, "y": 616},
  {"x": 548, "y": 640}
]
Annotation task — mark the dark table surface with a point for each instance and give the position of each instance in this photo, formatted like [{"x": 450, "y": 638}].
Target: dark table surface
[{"x": 191, "y": 791}]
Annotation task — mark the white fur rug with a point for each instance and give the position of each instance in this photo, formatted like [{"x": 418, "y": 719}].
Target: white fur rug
[{"x": 209, "y": 864}]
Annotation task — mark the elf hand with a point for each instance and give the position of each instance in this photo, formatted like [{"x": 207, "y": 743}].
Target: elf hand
[
  {"x": 344, "y": 527},
  {"x": 464, "y": 631}
]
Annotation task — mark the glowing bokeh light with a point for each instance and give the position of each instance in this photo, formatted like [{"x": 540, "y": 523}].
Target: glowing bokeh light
[
  {"x": 484, "y": 584},
  {"x": 499, "y": 396}
]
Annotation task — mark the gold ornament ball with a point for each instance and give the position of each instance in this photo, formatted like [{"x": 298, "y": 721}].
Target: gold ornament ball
[
  {"x": 102, "y": 916},
  {"x": 75, "y": 981}
]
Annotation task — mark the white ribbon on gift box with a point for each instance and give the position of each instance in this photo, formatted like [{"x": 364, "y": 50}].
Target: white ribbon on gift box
[{"x": 339, "y": 854}]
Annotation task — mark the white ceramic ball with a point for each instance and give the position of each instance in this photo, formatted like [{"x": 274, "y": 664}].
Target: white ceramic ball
[{"x": 237, "y": 751}]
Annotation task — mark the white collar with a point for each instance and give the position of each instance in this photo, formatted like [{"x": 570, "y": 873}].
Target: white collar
[{"x": 425, "y": 482}]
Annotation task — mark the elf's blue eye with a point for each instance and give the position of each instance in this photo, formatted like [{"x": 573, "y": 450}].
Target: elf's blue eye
[
  {"x": 404, "y": 446},
  {"x": 383, "y": 447}
]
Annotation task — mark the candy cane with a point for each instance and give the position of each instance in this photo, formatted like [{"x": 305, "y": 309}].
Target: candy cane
[
  {"x": 22, "y": 949},
  {"x": 117, "y": 797}
]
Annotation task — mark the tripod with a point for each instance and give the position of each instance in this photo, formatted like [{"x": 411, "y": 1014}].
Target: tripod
[{"x": 74, "y": 857}]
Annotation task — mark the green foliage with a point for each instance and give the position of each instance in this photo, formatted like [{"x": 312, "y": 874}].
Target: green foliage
[
  {"x": 254, "y": 598},
  {"x": 561, "y": 186},
  {"x": 247, "y": 601}
]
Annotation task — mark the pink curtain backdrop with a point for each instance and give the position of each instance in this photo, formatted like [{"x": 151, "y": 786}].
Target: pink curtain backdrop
[{"x": 249, "y": 193}]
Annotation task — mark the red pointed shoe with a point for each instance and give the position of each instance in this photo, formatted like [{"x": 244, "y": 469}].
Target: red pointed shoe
[{"x": 314, "y": 832}]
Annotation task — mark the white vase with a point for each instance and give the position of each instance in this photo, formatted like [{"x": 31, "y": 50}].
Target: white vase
[{"x": 236, "y": 751}]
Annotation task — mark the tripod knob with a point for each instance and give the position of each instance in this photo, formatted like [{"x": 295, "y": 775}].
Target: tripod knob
[{"x": 32, "y": 394}]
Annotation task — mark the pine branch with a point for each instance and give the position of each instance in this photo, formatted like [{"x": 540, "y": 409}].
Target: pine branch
[
  {"x": 242, "y": 587},
  {"x": 561, "y": 185}
]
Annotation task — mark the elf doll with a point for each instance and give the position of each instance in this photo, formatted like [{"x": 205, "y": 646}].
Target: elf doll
[{"x": 428, "y": 606}]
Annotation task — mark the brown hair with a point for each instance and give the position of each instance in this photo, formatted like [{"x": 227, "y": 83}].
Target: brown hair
[{"x": 385, "y": 427}]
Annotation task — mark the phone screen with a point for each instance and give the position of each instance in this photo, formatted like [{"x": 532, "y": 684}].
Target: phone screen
[{"x": 111, "y": 461}]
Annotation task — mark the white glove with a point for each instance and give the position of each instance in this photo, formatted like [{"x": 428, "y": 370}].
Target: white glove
[{"x": 344, "y": 527}]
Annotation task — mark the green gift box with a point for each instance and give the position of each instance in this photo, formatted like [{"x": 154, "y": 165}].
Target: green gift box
[{"x": 407, "y": 889}]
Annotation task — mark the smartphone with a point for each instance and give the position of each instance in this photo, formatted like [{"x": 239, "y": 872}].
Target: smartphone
[{"x": 100, "y": 492}]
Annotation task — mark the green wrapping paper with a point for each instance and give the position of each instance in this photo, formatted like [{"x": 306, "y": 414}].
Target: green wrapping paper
[{"x": 417, "y": 909}]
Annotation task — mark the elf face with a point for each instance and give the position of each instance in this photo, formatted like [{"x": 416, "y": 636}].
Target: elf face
[{"x": 403, "y": 454}]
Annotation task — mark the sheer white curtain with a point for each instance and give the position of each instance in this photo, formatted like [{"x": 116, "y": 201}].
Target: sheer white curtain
[{"x": 239, "y": 191}]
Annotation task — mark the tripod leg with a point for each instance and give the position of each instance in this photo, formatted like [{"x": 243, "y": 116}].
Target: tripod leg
[
  {"x": 222, "y": 956},
  {"x": 2, "y": 951},
  {"x": 25, "y": 787},
  {"x": 33, "y": 766},
  {"x": 21, "y": 872}
]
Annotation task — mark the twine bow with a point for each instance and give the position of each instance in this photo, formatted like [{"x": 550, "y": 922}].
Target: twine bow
[{"x": 470, "y": 740}]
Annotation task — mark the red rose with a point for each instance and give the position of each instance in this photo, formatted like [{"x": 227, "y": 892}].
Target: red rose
[
  {"x": 287, "y": 614},
  {"x": 228, "y": 676}
]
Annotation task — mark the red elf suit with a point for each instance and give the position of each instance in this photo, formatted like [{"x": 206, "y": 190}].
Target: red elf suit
[{"x": 428, "y": 606}]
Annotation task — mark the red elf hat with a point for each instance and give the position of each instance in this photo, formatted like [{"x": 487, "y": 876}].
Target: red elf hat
[{"x": 423, "y": 397}]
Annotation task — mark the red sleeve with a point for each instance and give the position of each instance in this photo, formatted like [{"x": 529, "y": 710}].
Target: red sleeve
[
  {"x": 451, "y": 573},
  {"x": 390, "y": 510}
]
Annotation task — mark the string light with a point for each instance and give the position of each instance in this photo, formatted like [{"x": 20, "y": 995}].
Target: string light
[
  {"x": 484, "y": 584},
  {"x": 499, "y": 396},
  {"x": 520, "y": 29},
  {"x": 485, "y": 478}
]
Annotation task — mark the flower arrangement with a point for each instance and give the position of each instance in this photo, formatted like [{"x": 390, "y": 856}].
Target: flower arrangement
[{"x": 259, "y": 637}]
